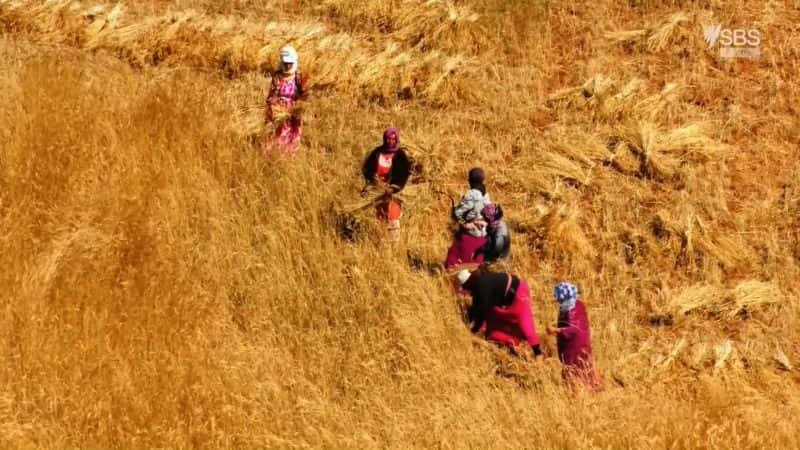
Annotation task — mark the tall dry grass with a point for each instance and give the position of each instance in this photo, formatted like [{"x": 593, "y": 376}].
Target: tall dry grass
[
  {"x": 239, "y": 46},
  {"x": 165, "y": 287}
]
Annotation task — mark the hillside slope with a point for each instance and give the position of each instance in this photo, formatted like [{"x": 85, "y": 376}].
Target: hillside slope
[{"x": 168, "y": 288}]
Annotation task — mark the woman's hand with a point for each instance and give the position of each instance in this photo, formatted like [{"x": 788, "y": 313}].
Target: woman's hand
[{"x": 553, "y": 330}]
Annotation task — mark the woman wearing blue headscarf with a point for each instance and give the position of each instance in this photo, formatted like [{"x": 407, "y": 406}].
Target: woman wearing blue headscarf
[{"x": 573, "y": 337}]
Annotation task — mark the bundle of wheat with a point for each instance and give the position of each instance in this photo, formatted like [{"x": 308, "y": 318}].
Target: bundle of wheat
[
  {"x": 662, "y": 34},
  {"x": 698, "y": 237},
  {"x": 439, "y": 24},
  {"x": 565, "y": 239},
  {"x": 625, "y": 160},
  {"x": 627, "y": 36},
  {"x": 596, "y": 87},
  {"x": 661, "y": 363},
  {"x": 746, "y": 296},
  {"x": 619, "y": 105},
  {"x": 698, "y": 355},
  {"x": 592, "y": 92},
  {"x": 655, "y": 107},
  {"x": 645, "y": 140},
  {"x": 622, "y": 108},
  {"x": 656, "y": 37},
  {"x": 728, "y": 250},
  {"x": 722, "y": 354},
  {"x": 749, "y": 295},
  {"x": 577, "y": 144},
  {"x": 194, "y": 39},
  {"x": 562, "y": 154},
  {"x": 696, "y": 297},
  {"x": 782, "y": 360},
  {"x": 664, "y": 153}
]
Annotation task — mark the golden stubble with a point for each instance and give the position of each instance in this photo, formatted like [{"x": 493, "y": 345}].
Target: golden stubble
[{"x": 166, "y": 287}]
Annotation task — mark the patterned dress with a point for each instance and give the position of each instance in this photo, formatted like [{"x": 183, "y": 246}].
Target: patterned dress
[{"x": 284, "y": 92}]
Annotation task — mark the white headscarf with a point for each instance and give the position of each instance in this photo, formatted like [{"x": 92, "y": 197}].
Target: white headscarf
[{"x": 289, "y": 55}]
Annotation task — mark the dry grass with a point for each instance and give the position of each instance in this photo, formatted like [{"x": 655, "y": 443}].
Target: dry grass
[
  {"x": 238, "y": 46},
  {"x": 165, "y": 287}
]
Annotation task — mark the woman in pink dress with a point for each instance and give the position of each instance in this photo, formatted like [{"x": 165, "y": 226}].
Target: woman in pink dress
[
  {"x": 573, "y": 338},
  {"x": 286, "y": 88},
  {"x": 471, "y": 235},
  {"x": 501, "y": 303}
]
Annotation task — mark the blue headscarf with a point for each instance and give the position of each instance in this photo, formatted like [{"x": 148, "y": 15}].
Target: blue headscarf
[{"x": 566, "y": 295}]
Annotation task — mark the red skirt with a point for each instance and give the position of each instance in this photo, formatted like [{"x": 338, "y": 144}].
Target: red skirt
[{"x": 462, "y": 250}]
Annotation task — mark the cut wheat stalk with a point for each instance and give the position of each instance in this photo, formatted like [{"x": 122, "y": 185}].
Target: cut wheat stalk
[
  {"x": 655, "y": 37},
  {"x": 782, "y": 360},
  {"x": 197, "y": 40}
]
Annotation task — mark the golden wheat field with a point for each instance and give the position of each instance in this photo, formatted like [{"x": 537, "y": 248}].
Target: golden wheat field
[{"x": 166, "y": 286}]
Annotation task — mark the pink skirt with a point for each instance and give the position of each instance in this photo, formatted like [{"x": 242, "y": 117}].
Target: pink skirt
[
  {"x": 286, "y": 138},
  {"x": 462, "y": 250}
]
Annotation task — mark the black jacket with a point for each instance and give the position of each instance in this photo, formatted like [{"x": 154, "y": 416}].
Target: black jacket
[
  {"x": 399, "y": 172},
  {"x": 488, "y": 291}
]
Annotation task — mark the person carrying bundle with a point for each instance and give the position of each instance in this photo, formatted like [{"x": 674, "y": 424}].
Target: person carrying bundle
[
  {"x": 387, "y": 167},
  {"x": 501, "y": 302},
  {"x": 287, "y": 86},
  {"x": 471, "y": 234}
]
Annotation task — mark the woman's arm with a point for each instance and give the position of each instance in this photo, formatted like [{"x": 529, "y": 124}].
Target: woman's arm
[
  {"x": 271, "y": 89},
  {"x": 302, "y": 82},
  {"x": 401, "y": 171},
  {"x": 267, "y": 104},
  {"x": 479, "y": 310},
  {"x": 576, "y": 323},
  {"x": 369, "y": 169},
  {"x": 525, "y": 320},
  {"x": 568, "y": 332}
]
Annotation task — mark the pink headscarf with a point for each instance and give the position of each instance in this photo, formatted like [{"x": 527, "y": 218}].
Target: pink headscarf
[
  {"x": 493, "y": 213},
  {"x": 386, "y": 134}
]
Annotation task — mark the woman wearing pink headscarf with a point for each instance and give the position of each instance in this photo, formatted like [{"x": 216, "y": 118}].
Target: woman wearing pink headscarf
[
  {"x": 498, "y": 245},
  {"x": 388, "y": 167}
]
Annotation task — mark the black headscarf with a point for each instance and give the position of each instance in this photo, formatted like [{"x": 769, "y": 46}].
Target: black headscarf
[{"x": 476, "y": 179}]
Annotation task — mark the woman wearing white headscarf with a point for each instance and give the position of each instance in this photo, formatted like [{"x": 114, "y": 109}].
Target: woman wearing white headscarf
[{"x": 286, "y": 87}]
